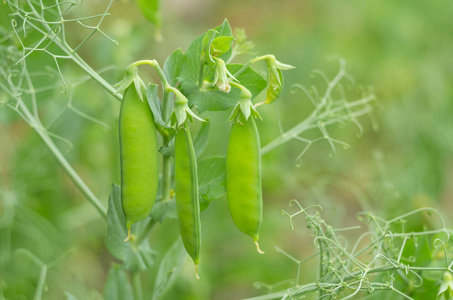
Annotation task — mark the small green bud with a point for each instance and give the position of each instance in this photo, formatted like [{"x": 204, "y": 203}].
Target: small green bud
[
  {"x": 131, "y": 77},
  {"x": 182, "y": 110},
  {"x": 221, "y": 76},
  {"x": 244, "y": 105},
  {"x": 275, "y": 77}
]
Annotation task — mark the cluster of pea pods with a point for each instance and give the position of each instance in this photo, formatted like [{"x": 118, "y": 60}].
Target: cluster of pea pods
[{"x": 139, "y": 153}]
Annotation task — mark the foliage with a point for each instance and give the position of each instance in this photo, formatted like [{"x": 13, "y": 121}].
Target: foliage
[{"x": 218, "y": 72}]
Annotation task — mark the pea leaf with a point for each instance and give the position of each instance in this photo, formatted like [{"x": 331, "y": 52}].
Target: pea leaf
[
  {"x": 135, "y": 257},
  {"x": 170, "y": 264},
  {"x": 171, "y": 69},
  {"x": 172, "y": 66},
  {"x": 117, "y": 286},
  {"x": 206, "y": 45},
  {"x": 192, "y": 59},
  {"x": 162, "y": 210},
  {"x": 220, "y": 45},
  {"x": 201, "y": 139},
  {"x": 210, "y": 98},
  {"x": 211, "y": 180},
  {"x": 154, "y": 104}
]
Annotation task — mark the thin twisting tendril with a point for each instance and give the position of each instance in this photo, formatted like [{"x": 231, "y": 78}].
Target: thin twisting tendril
[
  {"x": 348, "y": 272},
  {"x": 329, "y": 109}
]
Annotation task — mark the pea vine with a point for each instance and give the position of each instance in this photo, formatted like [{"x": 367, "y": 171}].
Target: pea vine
[
  {"x": 207, "y": 77},
  {"x": 385, "y": 258}
]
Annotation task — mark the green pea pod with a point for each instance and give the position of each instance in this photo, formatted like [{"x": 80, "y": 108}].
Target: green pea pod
[
  {"x": 139, "y": 158},
  {"x": 186, "y": 188},
  {"x": 243, "y": 178}
]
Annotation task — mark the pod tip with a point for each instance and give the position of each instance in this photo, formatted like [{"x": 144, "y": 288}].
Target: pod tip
[
  {"x": 258, "y": 248},
  {"x": 128, "y": 235},
  {"x": 196, "y": 272}
]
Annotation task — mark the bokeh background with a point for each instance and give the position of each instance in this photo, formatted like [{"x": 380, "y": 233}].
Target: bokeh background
[{"x": 403, "y": 160}]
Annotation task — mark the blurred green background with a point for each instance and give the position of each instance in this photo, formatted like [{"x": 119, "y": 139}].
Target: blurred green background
[{"x": 403, "y": 49}]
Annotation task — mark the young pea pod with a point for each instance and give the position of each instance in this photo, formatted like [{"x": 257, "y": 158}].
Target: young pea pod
[
  {"x": 186, "y": 188},
  {"x": 139, "y": 157},
  {"x": 243, "y": 177}
]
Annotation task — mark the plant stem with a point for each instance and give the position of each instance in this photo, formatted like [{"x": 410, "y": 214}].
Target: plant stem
[
  {"x": 71, "y": 52},
  {"x": 144, "y": 234},
  {"x": 287, "y": 136},
  {"x": 156, "y": 66},
  {"x": 36, "y": 125},
  {"x": 166, "y": 178},
  {"x": 166, "y": 159},
  {"x": 41, "y": 282},
  {"x": 71, "y": 173},
  {"x": 137, "y": 286},
  {"x": 40, "y": 130},
  {"x": 75, "y": 57}
]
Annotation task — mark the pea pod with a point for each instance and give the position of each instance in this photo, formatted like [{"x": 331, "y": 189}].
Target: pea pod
[
  {"x": 243, "y": 177},
  {"x": 186, "y": 188},
  {"x": 139, "y": 158}
]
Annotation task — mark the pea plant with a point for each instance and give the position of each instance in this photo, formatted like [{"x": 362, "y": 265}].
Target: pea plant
[
  {"x": 162, "y": 173},
  {"x": 386, "y": 261}
]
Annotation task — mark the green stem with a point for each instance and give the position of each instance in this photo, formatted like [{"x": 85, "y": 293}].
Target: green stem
[
  {"x": 166, "y": 178},
  {"x": 144, "y": 234},
  {"x": 156, "y": 66},
  {"x": 312, "y": 287},
  {"x": 41, "y": 282},
  {"x": 71, "y": 173},
  {"x": 166, "y": 107},
  {"x": 74, "y": 56},
  {"x": 137, "y": 286},
  {"x": 264, "y": 57},
  {"x": 166, "y": 86},
  {"x": 240, "y": 86},
  {"x": 39, "y": 129},
  {"x": 289, "y": 135}
]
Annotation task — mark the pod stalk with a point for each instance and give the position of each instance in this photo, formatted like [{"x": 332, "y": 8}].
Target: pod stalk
[{"x": 258, "y": 248}]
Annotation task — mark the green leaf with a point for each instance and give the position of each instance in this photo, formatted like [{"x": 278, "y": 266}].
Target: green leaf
[
  {"x": 162, "y": 210},
  {"x": 220, "y": 45},
  {"x": 170, "y": 264},
  {"x": 192, "y": 59},
  {"x": 154, "y": 104},
  {"x": 206, "y": 45},
  {"x": 210, "y": 98},
  {"x": 224, "y": 29},
  {"x": 171, "y": 69},
  {"x": 253, "y": 81},
  {"x": 172, "y": 66},
  {"x": 211, "y": 180},
  {"x": 135, "y": 257},
  {"x": 151, "y": 10},
  {"x": 201, "y": 139},
  {"x": 117, "y": 286}
]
